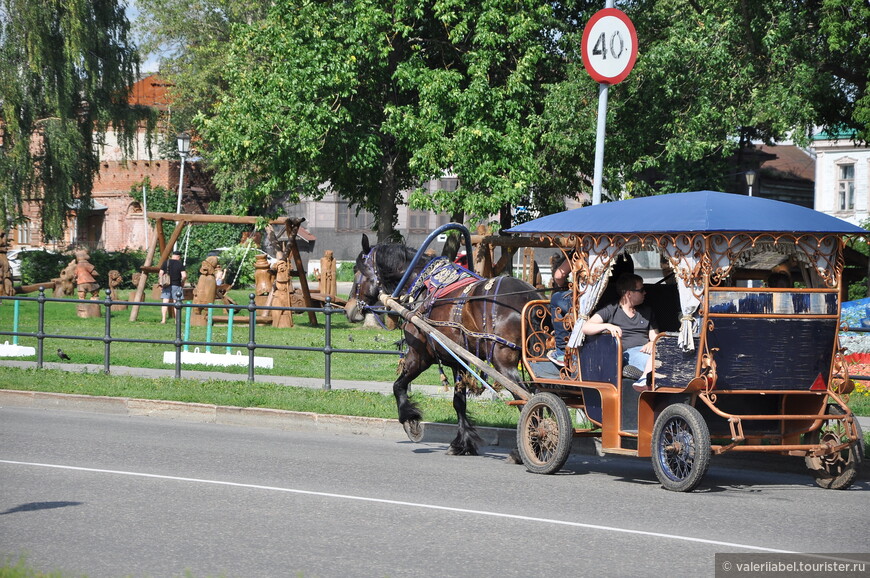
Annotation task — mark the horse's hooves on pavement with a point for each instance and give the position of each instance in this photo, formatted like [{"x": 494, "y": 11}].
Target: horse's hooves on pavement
[
  {"x": 514, "y": 458},
  {"x": 414, "y": 429}
]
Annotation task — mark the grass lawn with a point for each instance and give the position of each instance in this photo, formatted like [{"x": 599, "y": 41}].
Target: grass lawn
[{"x": 61, "y": 319}]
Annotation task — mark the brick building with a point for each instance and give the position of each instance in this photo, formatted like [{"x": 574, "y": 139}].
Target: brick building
[{"x": 115, "y": 221}]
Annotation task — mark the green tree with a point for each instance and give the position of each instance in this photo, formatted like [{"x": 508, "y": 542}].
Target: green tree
[
  {"x": 374, "y": 97},
  {"x": 306, "y": 105},
  {"x": 479, "y": 100},
  {"x": 65, "y": 73},
  {"x": 191, "y": 38},
  {"x": 716, "y": 75}
]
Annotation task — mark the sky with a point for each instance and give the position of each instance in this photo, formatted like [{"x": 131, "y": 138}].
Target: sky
[{"x": 151, "y": 64}]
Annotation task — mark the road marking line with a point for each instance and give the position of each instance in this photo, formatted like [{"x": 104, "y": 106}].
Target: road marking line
[{"x": 408, "y": 504}]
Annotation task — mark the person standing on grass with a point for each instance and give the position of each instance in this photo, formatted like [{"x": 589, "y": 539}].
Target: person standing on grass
[{"x": 174, "y": 291}]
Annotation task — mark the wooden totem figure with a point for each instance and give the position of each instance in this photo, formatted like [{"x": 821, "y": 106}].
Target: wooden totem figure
[
  {"x": 205, "y": 291},
  {"x": 115, "y": 280},
  {"x": 6, "y": 287},
  {"x": 86, "y": 284},
  {"x": 328, "y": 284},
  {"x": 263, "y": 280},
  {"x": 64, "y": 285},
  {"x": 281, "y": 296}
]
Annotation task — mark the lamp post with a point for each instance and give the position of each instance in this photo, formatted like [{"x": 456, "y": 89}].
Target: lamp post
[
  {"x": 183, "y": 149},
  {"x": 750, "y": 180}
]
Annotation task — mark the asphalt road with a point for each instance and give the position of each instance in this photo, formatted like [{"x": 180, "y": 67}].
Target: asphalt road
[{"x": 107, "y": 495}]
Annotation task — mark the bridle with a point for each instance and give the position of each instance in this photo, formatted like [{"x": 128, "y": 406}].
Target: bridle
[{"x": 370, "y": 261}]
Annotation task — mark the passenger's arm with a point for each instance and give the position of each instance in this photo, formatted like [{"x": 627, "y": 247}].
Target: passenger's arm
[
  {"x": 560, "y": 275},
  {"x": 595, "y": 325}
]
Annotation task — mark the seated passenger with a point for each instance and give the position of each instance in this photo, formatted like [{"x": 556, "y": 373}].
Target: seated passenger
[
  {"x": 560, "y": 304},
  {"x": 634, "y": 322}
]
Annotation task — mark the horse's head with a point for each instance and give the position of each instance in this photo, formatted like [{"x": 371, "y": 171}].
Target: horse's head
[
  {"x": 365, "y": 289},
  {"x": 377, "y": 269}
]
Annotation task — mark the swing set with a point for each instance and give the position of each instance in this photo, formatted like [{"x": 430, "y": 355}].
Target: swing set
[{"x": 184, "y": 221}]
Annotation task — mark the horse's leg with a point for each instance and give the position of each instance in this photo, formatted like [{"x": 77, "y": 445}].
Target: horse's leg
[
  {"x": 412, "y": 366},
  {"x": 466, "y": 441}
]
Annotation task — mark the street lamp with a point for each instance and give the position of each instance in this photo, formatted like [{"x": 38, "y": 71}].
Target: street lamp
[
  {"x": 750, "y": 180},
  {"x": 183, "y": 149}
]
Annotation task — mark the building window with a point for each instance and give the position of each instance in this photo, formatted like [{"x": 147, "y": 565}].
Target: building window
[
  {"x": 846, "y": 187},
  {"x": 347, "y": 219},
  {"x": 448, "y": 184},
  {"x": 25, "y": 233}
]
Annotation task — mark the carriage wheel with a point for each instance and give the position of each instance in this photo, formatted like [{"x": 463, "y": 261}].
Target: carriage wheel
[
  {"x": 680, "y": 448},
  {"x": 835, "y": 471},
  {"x": 544, "y": 434}
]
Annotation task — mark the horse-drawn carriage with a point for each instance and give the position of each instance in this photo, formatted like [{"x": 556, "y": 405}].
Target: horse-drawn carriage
[{"x": 741, "y": 366}]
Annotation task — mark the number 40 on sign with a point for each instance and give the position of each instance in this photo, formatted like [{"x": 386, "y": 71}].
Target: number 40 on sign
[{"x": 609, "y": 46}]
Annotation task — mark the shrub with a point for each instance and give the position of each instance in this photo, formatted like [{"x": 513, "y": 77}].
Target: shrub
[{"x": 43, "y": 266}]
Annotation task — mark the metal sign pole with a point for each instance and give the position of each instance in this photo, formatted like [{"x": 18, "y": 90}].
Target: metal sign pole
[
  {"x": 599, "y": 134},
  {"x": 609, "y": 50},
  {"x": 599, "y": 142}
]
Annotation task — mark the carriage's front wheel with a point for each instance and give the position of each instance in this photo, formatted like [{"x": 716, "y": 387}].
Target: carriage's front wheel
[
  {"x": 835, "y": 471},
  {"x": 544, "y": 434},
  {"x": 680, "y": 448}
]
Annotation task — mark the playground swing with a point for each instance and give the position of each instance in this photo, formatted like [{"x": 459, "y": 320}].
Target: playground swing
[{"x": 159, "y": 245}]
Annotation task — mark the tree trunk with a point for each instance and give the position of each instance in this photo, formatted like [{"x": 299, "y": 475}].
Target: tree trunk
[{"x": 387, "y": 203}]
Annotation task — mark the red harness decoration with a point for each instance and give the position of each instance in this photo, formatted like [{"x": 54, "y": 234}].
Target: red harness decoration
[{"x": 437, "y": 291}]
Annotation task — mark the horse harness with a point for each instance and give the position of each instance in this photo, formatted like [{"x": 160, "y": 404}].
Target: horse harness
[{"x": 440, "y": 278}]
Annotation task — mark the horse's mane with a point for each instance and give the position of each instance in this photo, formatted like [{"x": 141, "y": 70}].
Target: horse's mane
[{"x": 392, "y": 260}]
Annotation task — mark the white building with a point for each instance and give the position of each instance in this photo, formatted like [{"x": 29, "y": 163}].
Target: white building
[{"x": 842, "y": 178}]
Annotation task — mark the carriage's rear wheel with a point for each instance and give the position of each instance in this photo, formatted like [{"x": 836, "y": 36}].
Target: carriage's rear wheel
[
  {"x": 835, "y": 471},
  {"x": 680, "y": 448},
  {"x": 544, "y": 434}
]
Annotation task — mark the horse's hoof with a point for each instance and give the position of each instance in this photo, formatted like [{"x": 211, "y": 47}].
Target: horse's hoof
[
  {"x": 514, "y": 458},
  {"x": 414, "y": 429},
  {"x": 455, "y": 451}
]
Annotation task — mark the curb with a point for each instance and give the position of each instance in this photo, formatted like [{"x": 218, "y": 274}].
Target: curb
[{"x": 383, "y": 428}]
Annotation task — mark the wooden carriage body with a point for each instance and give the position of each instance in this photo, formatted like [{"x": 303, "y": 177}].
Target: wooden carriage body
[{"x": 760, "y": 366}]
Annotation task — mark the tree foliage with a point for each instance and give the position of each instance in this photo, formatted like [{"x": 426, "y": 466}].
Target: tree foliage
[
  {"x": 714, "y": 76},
  {"x": 370, "y": 97},
  {"x": 308, "y": 92},
  {"x": 191, "y": 39},
  {"x": 65, "y": 72},
  {"x": 374, "y": 97}
]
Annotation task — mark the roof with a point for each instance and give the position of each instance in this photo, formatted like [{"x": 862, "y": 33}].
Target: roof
[
  {"x": 790, "y": 161},
  {"x": 152, "y": 91},
  {"x": 76, "y": 205},
  {"x": 698, "y": 211}
]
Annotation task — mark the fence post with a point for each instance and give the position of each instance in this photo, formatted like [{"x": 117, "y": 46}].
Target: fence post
[
  {"x": 16, "y": 305},
  {"x": 327, "y": 347},
  {"x": 178, "y": 340},
  {"x": 107, "y": 339},
  {"x": 252, "y": 333},
  {"x": 40, "y": 326}
]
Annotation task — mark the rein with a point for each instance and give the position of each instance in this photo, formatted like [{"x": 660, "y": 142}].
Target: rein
[{"x": 428, "y": 290}]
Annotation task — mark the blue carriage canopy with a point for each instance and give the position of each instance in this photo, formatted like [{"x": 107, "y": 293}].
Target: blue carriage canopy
[
  {"x": 698, "y": 211},
  {"x": 724, "y": 226}
]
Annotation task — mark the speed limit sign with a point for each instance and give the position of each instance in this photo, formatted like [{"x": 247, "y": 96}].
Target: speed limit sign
[{"x": 609, "y": 46}]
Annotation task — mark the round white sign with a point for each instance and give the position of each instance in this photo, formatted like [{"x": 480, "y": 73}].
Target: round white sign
[{"x": 609, "y": 46}]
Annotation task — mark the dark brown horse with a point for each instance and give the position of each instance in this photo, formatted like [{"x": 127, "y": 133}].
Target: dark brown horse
[{"x": 481, "y": 315}]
